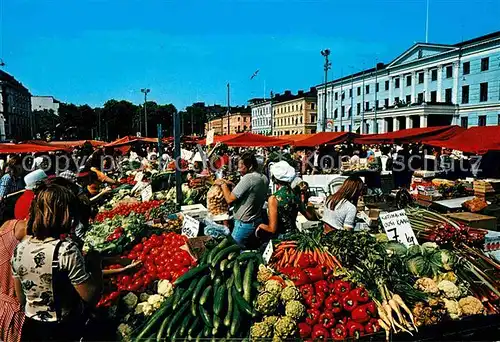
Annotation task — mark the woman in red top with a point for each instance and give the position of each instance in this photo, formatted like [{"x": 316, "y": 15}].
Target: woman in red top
[{"x": 11, "y": 313}]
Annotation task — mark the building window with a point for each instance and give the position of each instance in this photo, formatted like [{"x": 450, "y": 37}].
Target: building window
[
  {"x": 449, "y": 71},
  {"x": 498, "y": 120},
  {"x": 433, "y": 96},
  {"x": 483, "y": 92},
  {"x": 485, "y": 64},
  {"x": 335, "y": 113},
  {"x": 244, "y": 119},
  {"x": 434, "y": 75},
  {"x": 359, "y": 91},
  {"x": 420, "y": 97},
  {"x": 386, "y": 103},
  {"x": 349, "y": 112},
  {"x": 447, "y": 95},
  {"x": 408, "y": 99},
  {"x": 367, "y": 105},
  {"x": 350, "y": 92},
  {"x": 465, "y": 94},
  {"x": 343, "y": 95},
  {"x": 336, "y": 96},
  {"x": 313, "y": 105},
  {"x": 386, "y": 85},
  {"x": 420, "y": 77},
  {"x": 408, "y": 80},
  {"x": 358, "y": 108},
  {"x": 466, "y": 68},
  {"x": 342, "y": 111},
  {"x": 376, "y": 87},
  {"x": 396, "y": 83},
  {"x": 367, "y": 89},
  {"x": 396, "y": 100},
  {"x": 464, "y": 122},
  {"x": 376, "y": 104},
  {"x": 481, "y": 120},
  {"x": 239, "y": 118}
]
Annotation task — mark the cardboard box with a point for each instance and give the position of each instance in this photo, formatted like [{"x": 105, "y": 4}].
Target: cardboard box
[
  {"x": 304, "y": 224},
  {"x": 196, "y": 211}
]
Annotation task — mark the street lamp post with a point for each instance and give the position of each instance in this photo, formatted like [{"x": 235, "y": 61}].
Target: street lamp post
[
  {"x": 145, "y": 91},
  {"x": 228, "y": 108},
  {"x": 325, "y": 53},
  {"x": 272, "y": 115}
]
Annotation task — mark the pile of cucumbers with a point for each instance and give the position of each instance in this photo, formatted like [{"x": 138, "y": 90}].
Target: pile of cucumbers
[{"x": 210, "y": 300}]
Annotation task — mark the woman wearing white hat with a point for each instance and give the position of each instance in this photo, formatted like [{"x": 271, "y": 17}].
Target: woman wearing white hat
[{"x": 284, "y": 205}]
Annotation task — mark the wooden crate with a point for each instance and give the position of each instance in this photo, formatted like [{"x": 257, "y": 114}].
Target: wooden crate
[{"x": 475, "y": 220}]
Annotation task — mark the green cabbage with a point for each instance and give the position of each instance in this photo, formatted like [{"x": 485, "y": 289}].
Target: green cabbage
[
  {"x": 396, "y": 247},
  {"x": 419, "y": 267}
]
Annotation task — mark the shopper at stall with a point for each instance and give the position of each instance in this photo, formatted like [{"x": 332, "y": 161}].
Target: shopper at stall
[
  {"x": 248, "y": 197},
  {"x": 22, "y": 207},
  {"x": 340, "y": 208},
  {"x": 10, "y": 183},
  {"x": 11, "y": 314},
  {"x": 51, "y": 279},
  {"x": 284, "y": 205}
]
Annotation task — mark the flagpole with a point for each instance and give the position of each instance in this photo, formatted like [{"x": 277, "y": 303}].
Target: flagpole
[
  {"x": 228, "y": 108},
  {"x": 427, "y": 23}
]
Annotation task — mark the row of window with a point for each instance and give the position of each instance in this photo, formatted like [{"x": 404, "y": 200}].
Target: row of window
[
  {"x": 292, "y": 108},
  {"x": 261, "y": 111},
  {"x": 481, "y": 121},
  {"x": 293, "y": 121},
  {"x": 261, "y": 122},
  {"x": 485, "y": 66}
]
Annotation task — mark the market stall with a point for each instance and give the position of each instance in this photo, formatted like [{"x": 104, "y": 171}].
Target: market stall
[{"x": 411, "y": 135}]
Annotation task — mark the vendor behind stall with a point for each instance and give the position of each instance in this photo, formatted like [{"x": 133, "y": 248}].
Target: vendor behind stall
[
  {"x": 248, "y": 198},
  {"x": 283, "y": 205},
  {"x": 340, "y": 208}
]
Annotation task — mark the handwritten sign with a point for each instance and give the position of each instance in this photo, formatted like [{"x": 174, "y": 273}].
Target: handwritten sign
[
  {"x": 147, "y": 193},
  {"x": 138, "y": 177},
  {"x": 190, "y": 227},
  {"x": 268, "y": 252},
  {"x": 210, "y": 137},
  {"x": 398, "y": 228}
]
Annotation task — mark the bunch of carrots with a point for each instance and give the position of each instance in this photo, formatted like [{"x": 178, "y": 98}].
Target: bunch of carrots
[{"x": 293, "y": 253}]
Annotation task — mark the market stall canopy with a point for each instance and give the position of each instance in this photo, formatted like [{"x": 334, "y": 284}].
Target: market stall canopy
[
  {"x": 478, "y": 140},
  {"x": 324, "y": 138},
  {"x": 67, "y": 144},
  {"x": 295, "y": 137},
  {"x": 27, "y": 148},
  {"x": 411, "y": 135},
  {"x": 219, "y": 138},
  {"x": 250, "y": 139}
]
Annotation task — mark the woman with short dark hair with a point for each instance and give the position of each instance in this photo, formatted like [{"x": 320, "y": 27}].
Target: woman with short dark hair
[{"x": 51, "y": 279}]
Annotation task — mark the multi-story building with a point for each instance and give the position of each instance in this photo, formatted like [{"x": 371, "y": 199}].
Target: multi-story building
[
  {"x": 42, "y": 103},
  {"x": 261, "y": 115},
  {"x": 15, "y": 109},
  {"x": 427, "y": 85},
  {"x": 295, "y": 114},
  {"x": 238, "y": 123}
]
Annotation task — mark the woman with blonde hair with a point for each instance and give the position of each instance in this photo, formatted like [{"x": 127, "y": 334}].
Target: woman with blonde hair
[{"x": 340, "y": 208}]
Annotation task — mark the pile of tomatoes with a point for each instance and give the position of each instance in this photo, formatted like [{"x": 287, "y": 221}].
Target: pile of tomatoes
[
  {"x": 126, "y": 209},
  {"x": 161, "y": 258},
  {"x": 128, "y": 180}
]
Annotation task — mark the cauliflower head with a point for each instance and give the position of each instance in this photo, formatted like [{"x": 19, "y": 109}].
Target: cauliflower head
[
  {"x": 144, "y": 308},
  {"x": 165, "y": 288},
  {"x": 426, "y": 285},
  {"x": 274, "y": 287},
  {"x": 264, "y": 273},
  {"x": 125, "y": 332},
  {"x": 452, "y": 308},
  {"x": 271, "y": 320},
  {"x": 155, "y": 301},
  {"x": 285, "y": 327},
  {"x": 290, "y": 293},
  {"x": 471, "y": 306},
  {"x": 261, "y": 330},
  {"x": 295, "y": 309},
  {"x": 266, "y": 303},
  {"x": 130, "y": 300},
  {"x": 449, "y": 289}
]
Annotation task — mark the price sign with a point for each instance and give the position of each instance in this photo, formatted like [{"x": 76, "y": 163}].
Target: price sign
[
  {"x": 398, "y": 228},
  {"x": 138, "y": 176},
  {"x": 210, "y": 137},
  {"x": 190, "y": 227},
  {"x": 147, "y": 193},
  {"x": 268, "y": 252}
]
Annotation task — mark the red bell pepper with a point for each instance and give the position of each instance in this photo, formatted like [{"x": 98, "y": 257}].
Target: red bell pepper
[
  {"x": 314, "y": 273},
  {"x": 349, "y": 303},
  {"x": 360, "y": 294},
  {"x": 312, "y": 316},
  {"x": 339, "y": 333},
  {"x": 372, "y": 308},
  {"x": 355, "y": 329},
  {"x": 332, "y": 303},
  {"x": 305, "y": 261},
  {"x": 327, "y": 319},
  {"x": 320, "y": 333},
  {"x": 341, "y": 287},
  {"x": 372, "y": 326},
  {"x": 299, "y": 277},
  {"x": 307, "y": 290},
  {"x": 322, "y": 286},
  {"x": 314, "y": 301},
  {"x": 305, "y": 330},
  {"x": 361, "y": 314}
]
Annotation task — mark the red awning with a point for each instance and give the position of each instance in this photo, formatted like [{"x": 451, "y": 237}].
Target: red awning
[
  {"x": 324, "y": 138},
  {"x": 477, "y": 140},
  {"x": 250, "y": 140},
  {"x": 27, "y": 148},
  {"x": 295, "y": 137},
  {"x": 411, "y": 135}
]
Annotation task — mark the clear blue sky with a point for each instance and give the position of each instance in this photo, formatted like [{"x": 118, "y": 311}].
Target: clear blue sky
[{"x": 84, "y": 51}]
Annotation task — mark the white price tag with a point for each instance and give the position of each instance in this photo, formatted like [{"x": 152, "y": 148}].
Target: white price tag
[
  {"x": 138, "y": 176},
  {"x": 190, "y": 227},
  {"x": 210, "y": 137},
  {"x": 268, "y": 252},
  {"x": 147, "y": 193},
  {"x": 398, "y": 228}
]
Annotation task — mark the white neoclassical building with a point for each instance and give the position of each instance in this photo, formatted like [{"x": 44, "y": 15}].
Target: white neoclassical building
[{"x": 261, "y": 115}]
